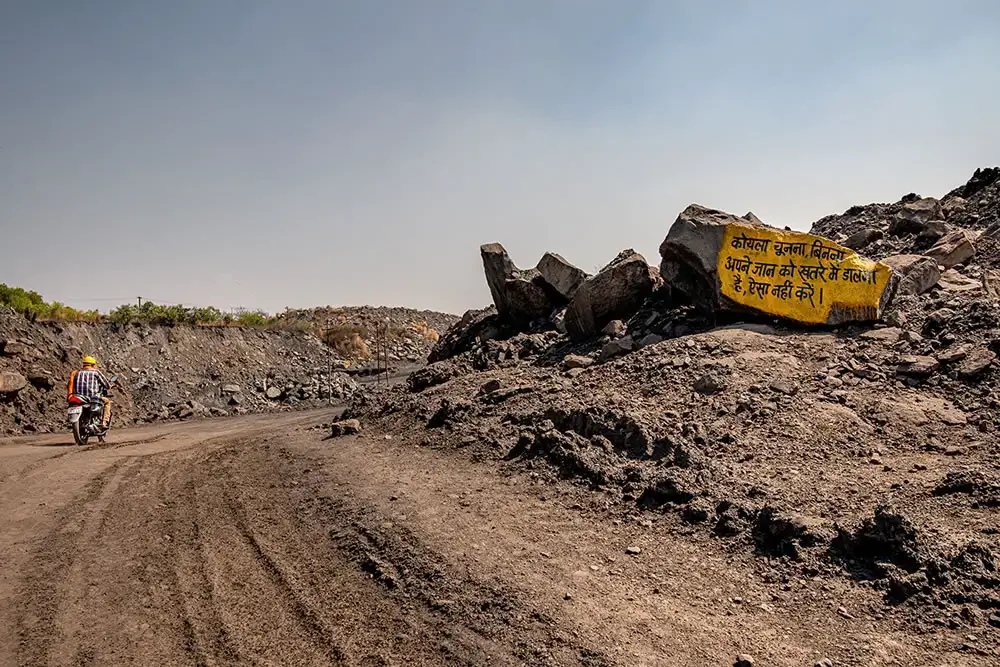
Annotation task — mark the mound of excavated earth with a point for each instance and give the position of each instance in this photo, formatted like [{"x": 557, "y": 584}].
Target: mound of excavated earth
[
  {"x": 861, "y": 455},
  {"x": 853, "y": 456}
]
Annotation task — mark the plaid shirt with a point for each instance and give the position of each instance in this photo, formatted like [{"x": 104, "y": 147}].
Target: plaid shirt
[{"x": 88, "y": 382}]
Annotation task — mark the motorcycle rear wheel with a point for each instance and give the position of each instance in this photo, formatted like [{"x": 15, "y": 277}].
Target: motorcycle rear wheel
[{"x": 78, "y": 437}]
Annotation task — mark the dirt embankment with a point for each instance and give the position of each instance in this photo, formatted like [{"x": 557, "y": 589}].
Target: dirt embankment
[
  {"x": 166, "y": 372},
  {"x": 312, "y": 358}
]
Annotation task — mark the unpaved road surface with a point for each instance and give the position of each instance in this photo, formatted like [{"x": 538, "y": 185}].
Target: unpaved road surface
[{"x": 257, "y": 541}]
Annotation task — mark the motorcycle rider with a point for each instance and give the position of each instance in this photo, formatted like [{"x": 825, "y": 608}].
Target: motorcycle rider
[{"x": 91, "y": 383}]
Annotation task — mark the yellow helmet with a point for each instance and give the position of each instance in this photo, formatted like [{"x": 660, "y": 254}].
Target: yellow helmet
[{"x": 89, "y": 361}]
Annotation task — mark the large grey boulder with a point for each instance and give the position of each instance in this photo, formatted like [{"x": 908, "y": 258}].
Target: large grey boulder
[
  {"x": 520, "y": 296},
  {"x": 917, "y": 273},
  {"x": 616, "y": 291},
  {"x": 690, "y": 254},
  {"x": 560, "y": 275},
  {"x": 954, "y": 248},
  {"x": 915, "y": 216},
  {"x": 863, "y": 238}
]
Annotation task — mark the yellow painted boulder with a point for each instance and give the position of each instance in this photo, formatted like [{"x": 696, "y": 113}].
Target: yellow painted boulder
[{"x": 725, "y": 263}]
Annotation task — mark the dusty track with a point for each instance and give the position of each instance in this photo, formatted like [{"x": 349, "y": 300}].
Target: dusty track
[{"x": 254, "y": 541}]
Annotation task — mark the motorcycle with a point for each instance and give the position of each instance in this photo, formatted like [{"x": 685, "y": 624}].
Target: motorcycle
[{"x": 86, "y": 416}]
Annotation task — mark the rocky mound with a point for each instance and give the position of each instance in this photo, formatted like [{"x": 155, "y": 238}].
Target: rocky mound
[
  {"x": 962, "y": 224},
  {"x": 166, "y": 372},
  {"x": 351, "y": 331},
  {"x": 863, "y": 451}
]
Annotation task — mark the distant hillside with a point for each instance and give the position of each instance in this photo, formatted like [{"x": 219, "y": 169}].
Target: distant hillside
[{"x": 351, "y": 330}]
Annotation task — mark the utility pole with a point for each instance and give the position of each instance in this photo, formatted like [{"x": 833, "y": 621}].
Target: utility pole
[
  {"x": 329, "y": 362},
  {"x": 140, "y": 302}
]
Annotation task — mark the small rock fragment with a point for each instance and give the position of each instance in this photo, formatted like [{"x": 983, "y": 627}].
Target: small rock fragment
[
  {"x": 953, "y": 355},
  {"x": 572, "y": 361},
  {"x": 346, "y": 427},
  {"x": 784, "y": 387},
  {"x": 709, "y": 384},
  {"x": 918, "y": 367},
  {"x": 490, "y": 387},
  {"x": 614, "y": 328},
  {"x": 976, "y": 363}
]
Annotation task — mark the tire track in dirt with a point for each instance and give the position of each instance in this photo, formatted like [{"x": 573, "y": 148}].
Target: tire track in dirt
[
  {"x": 48, "y": 631},
  {"x": 31, "y": 467},
  {"x": 205, "y": 637},
  {"x": 214, "y": 551},
  {"x": 472, "y": 621},
  {"x": 251, "y": 600},
  {"x": 305, "y": 614}
]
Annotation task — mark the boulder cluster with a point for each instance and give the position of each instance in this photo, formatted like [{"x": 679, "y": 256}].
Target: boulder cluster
[{"x": 557, "y": 292}]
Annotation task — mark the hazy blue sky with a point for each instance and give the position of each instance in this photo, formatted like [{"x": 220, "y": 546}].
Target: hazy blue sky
[{"x": 304, "y": 152}]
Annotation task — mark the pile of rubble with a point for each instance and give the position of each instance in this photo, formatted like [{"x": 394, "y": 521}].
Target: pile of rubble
[
  {"x": 353, "y": 331},
  {"x": 962, "y": 224},
  {"x": 861, "y": 446}
]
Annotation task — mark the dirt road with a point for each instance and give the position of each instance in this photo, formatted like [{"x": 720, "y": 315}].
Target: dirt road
[{"x": 256, "y": 541}]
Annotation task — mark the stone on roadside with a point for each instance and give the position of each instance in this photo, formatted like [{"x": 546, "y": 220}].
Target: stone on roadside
[
  {"x": 784, "y": 387},
  {"x": 744, "y": 660},
  {"x": 345, "y": 427},
  {"x": 615, "y": 329},
  {"x": 952, "y": 206},
  {"x": 953, "y": 281},
  {"x": 274, "y": 393},
  {"x": 490, "y": 387},
  {"x": 862, "y": 239},
  {"x": 933, "y": 230},
  {"x": 41, "y": 379},
  {"x": 917, "y": 273},
  {"x": 430, "y": 376},
  {"x": 560, "y": 275},
  {"x": 888, "y": 335},
  {"x": 617, "y": 291},
  {"x": 475, "y": 327},
  {"x": 953, "y": 355},
  {"x": 709, "y": 384},
  {"x": 231, "y": 389},
  {"x": 707, "y": 257},
  {"x": 940, "y": 317},
  {"x": 650, "y": 339},
  {"x": 12, "y": 348}
]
